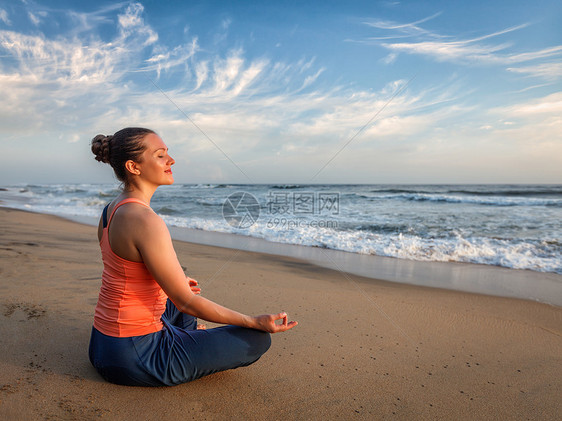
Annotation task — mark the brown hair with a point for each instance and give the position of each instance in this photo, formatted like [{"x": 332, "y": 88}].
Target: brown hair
[{"x": 126, "y": 144}]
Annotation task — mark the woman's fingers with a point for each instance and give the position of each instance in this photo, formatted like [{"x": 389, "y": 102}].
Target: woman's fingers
[
  {"x": 281, "y": 316},
  {"x": 193, "y": 284},
  {"x": 285, "y": 324},
  {"x": 292, "y": 324}
]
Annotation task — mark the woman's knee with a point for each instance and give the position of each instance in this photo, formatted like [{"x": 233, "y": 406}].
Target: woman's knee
[{"x": 261, "y": 342}]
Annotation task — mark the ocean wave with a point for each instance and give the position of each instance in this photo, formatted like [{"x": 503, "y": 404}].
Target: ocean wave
[
  {"x": 542, "y": 256},
  {"x": 531, "y": 255},
  {"x": 426, "y": 222},
  {"x": 204, "y": 186},
  {"x": 478, "y": 190},
  {"x": 487, "y": 201},
  {"x": 166, "y": 210},
  {"x": 210, "y": 201},
  {"x": 401, "y": 191},
  {"x": 109, "y": 193},
  {"x": 385, "y": 228},
  {"x": 287, "y": 186},
  {"x": 534, "y": 191}
]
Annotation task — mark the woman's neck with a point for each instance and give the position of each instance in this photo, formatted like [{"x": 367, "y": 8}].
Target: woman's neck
[{"x": 143, "y": 193}]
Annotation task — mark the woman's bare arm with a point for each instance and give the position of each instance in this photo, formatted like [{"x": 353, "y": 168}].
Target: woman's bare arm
[{"x": 153, "y": 241}]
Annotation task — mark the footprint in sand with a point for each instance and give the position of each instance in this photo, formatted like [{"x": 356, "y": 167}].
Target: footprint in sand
[{"x": 32, "y": 311}]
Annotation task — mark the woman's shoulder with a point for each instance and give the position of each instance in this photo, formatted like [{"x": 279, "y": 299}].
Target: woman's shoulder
[
  {"x": 137, "y": 211},
  {"x": 139, "y": 224},
  {"x": 134, "y": 215}
]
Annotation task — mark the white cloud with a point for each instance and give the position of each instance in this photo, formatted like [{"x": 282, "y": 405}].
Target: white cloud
[
  {"x": 84, "y": 23},
  {"x": 249, "y": 75},
  {"x": 309, "y": 80},
  {"x": 461, "y": 51},
  {"x": 548, "y": 71},
  {"x": 226, "y": 71},
  {"x": 34, "y": 19},
  {"x": 221, "y": 35},
  {"x": 408, "y": 29},
  {"x": 132, "y": 17},
  {"x": 4, "y": 17},
  {"x": 65, "y": 82},
  {"x": 58, "y": 61},
  {"x": 255, "y": 109},
  {"x": 530, "y": 132},
  {"x": 390, "y": 58},
  {"x": 201, "y": 73},
  {"x": 468, "y": 51},
  {"x": 131, "y": 23},
  {"x": 165, "y": 59},
  {"x": 226, "y": 23},
  {"x": 534, "y": 55},
  {"x": 550, "y": 105}
]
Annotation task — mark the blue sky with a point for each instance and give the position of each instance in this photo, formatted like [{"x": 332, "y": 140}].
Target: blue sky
[{"x": 294, "y": 92}]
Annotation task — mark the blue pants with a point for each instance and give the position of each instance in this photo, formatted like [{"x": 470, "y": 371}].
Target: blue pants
[{"x": 177, "y": 354}]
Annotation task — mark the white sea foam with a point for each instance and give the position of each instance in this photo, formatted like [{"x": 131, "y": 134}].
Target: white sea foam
[
  {"x": 543, "y": 256},
  {"x": 512, "y": 226}
]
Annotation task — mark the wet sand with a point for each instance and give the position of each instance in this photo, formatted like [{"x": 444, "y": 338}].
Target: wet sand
[{"x": 364, "y": 349}]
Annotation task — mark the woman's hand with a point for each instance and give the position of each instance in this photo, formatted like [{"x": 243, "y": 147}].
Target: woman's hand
[
  {"x": 152, "y": 240},
  {"x": 193, "y": 285},
  {"x": 267, "y": 322}
]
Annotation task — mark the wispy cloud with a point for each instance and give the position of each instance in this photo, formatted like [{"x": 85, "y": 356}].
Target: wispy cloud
[
  {"x": 410, "y": 29},
  {"x": 475, "y": 51},
  {"x": 78, "y": 83},
  {"x": 455, "y": 51},
  {"x": 548, "y": 71},
  {"x": 469, "y": 50},
  {"x": 550, "y": 106},
  {"x": 4, "y": 17},
  {"x": 60, "y": 83},
  {"x": 533, "y": 128},
  {"x": 34, "y": 19},
  {"x": 390, "y": 58},
  {"x": 131, "y": 22},
  {"x": 164, "y": 59},
  {"x": 271, "y": 108}
]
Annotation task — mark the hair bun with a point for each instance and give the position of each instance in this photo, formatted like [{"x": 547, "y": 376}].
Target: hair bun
[{"x": 101, "y": 146}]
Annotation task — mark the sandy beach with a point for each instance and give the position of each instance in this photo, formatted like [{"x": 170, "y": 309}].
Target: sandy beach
[{"x": 364, "y": 349}]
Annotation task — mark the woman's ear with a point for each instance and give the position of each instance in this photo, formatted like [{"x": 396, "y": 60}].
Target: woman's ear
[{"x": 132, "y": 167}]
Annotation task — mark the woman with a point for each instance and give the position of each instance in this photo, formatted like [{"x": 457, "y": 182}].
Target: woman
[{"x": 145, "y": 324}]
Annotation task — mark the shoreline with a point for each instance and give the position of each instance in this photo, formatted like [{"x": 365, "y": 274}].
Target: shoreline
[
  {"x": 466, "y": 277},
  {"x": 363, "y": 349},
  {"x": 543, "y": 287}
]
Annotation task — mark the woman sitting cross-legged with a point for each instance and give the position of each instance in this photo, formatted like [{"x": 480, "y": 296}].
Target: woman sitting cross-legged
[{"x": 145, "y": 323}]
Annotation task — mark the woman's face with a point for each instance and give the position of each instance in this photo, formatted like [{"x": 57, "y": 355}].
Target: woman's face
[{"x": 155, "y": 164}]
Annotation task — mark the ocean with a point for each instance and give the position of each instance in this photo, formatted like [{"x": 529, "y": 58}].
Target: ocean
[{"x": 512, "y": 226}]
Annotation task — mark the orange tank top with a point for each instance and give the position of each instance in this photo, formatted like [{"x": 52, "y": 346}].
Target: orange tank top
[{"x": 130, "y": 302}]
